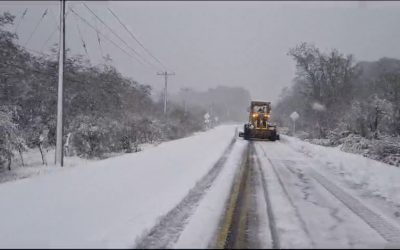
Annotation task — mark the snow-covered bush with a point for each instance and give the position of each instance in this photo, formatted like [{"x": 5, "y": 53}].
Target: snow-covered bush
[
  {"x": 93, "y": 137},
  {"x": 322, "y": 142},
  {"x": 302, "y": 135},
  {"x": 385, "y": 148},
  {"x": 355, "y": 144},
  {"x": 89, "y": 137},
  {"x": 10, "y": 139}
]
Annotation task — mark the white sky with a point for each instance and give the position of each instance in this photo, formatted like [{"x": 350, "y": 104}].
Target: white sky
[{"x": 238, "y": 43}]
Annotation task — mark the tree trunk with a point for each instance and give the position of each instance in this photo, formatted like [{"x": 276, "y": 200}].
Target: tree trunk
[
  {"x": 9, "y": 162},
  {"x": 41, "y": 152},
  {"x": 376, "y": 122},
  {"x": 22, "y": 158}
]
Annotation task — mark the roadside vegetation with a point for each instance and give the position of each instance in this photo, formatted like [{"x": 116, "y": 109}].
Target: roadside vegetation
[
  {"x": 105, "y": 111},
  {"x": 341, "y": 102}
]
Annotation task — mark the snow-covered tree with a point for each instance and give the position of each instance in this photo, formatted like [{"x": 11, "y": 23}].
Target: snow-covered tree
[
  {"x": 323, "y": 80},
  {"x": 10, "y": 140}
]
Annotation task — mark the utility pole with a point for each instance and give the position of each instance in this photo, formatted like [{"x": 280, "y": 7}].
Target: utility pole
[
  {"x": 59, "y": 159},
  {"x": 165, "y": 74}
]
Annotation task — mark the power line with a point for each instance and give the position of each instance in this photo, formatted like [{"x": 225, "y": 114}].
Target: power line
[
  {"x": 112, "y": 31},
  {"x": 108, "y": 39},
  {"x": 20, "y": 20},
  {"x": 134, "y": 37},
  {"x": 54, "y": 30},
  {"x": 83, "y": 41},
  {"x": 48, "y": 39},
  {"x": 98, "y": 40},
  {"x": 37, "y": 25},
  {"x": 55, "y": 17}
]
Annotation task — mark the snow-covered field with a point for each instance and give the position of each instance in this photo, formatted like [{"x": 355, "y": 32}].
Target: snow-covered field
[{"x": 111, "y": 202}]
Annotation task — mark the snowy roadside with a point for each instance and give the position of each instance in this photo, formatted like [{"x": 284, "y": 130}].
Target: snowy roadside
[
  {"x": 33, "y": 163},
  {"x": 380, "y": 179},
  {"x": 110, "y": 203},
  {"x": 385, "y": 149}
]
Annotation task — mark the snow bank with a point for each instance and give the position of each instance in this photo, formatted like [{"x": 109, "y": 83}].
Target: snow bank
[
  {"x": 379, "y": 178},
  {"x": 110, "y": 202},
  {"x": 385, "y": 149}
]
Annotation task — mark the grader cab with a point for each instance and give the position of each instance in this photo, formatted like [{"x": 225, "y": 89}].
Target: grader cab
[{"x": 259, "y": 126}]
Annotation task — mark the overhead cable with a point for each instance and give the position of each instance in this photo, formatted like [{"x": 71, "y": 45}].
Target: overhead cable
[
  {"x": 20, "y": 20},
  {"x": 105, "y": 37},
  {"x": 37, "y": 25},
  {"x": 112, "y": 31},
  {"x": 134, "y": 37}
]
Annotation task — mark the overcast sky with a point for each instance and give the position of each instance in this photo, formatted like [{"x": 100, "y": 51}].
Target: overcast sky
[{"x": 238, "y": 43}]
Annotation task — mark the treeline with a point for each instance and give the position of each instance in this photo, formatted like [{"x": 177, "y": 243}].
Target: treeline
[
  {"x": 344, "y": 102},
  {"x": 104, "y": 110},
  {"x": 227, "y": 103}
]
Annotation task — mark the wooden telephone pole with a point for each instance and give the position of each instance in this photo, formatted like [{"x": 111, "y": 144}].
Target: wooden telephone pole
[
  {"x": 59, "y": 159},
  {"x": 165, "y": 74}
]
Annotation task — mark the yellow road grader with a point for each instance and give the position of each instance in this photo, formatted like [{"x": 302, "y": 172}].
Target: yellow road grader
[{"x": 259, "y": 126}]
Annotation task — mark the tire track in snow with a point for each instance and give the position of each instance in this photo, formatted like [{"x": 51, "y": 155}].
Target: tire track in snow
[
  {"x": 168, "y": 229},
  {"x": 388, "y": 231},
  {"x": 271, "y": 216},
  {"x": 383, "y": 227},
  {"x": 285, "y": 191},
  {"x": 333, "y": 211}
]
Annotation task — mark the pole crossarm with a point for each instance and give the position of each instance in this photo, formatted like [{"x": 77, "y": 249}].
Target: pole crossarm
[{"x": 165, "y": 74}]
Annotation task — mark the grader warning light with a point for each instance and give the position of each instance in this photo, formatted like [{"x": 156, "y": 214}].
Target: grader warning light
[{"x": 259, "y": 126}]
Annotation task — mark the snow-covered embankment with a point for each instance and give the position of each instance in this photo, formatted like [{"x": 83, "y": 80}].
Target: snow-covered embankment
[{"x": 111, "y": 202}]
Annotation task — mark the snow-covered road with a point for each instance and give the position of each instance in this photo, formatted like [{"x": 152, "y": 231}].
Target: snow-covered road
[
  {"x": 313, "y": 210},
  {"x": 303, "y": 202},
  {"x": 190, "y": 193}
]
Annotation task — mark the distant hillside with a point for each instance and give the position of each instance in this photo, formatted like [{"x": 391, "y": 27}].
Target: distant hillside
[
  {"x": 374, "y": 70},
  {"x": 227, "y": 103}
]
